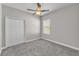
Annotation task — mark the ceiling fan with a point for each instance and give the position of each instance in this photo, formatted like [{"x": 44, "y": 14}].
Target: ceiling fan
[{"x": 38, "y": 9}]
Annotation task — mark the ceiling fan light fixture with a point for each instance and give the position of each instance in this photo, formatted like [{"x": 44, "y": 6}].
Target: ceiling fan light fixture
[
  {"x": 38, "y": 13},
  {"x": 38, "y": 10}
]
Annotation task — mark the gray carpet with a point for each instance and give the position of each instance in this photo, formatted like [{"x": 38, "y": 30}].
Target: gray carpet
[{"x": 39, "y": 47}]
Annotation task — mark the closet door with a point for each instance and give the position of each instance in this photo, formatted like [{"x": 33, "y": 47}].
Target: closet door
[{"x": 14, "y": 31}]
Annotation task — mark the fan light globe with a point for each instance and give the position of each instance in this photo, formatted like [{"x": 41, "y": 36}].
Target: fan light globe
[{"x": 38, "y": 13}]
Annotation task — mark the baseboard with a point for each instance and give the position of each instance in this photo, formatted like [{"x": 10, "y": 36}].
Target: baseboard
[
  {"x": 62, "y": 44},
  {"x": 2, "y": 49},
  {"x": 32, "y": 40},
  {"x": 0, "y": 52},
  {"x": 17, "y": 44}
]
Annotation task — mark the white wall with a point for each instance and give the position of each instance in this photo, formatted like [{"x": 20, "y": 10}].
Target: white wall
[
  {"x": 0, "y": 25},
  {"x": 32, "y": 22},
  {"x": 64, "y": 26}
]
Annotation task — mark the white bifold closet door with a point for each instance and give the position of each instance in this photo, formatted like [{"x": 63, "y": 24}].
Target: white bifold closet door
[{"x": 14, "y": 31}]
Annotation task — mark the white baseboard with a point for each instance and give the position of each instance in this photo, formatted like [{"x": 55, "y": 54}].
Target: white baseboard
[
  {"x": 17, "y": 44},
  {"x": 47, "y": 40},
  {"x": 0, "y": 51},
  {"x": 32, "y": 40},
  {"x": 62, "y": 44}
]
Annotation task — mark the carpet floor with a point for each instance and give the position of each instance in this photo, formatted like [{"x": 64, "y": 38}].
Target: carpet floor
[{"x": 39, "y": 47}]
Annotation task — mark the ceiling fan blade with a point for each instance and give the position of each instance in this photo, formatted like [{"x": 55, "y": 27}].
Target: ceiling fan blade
[
  {"x": 31, "y": 10},
  {"x": 44, "y": 10}
]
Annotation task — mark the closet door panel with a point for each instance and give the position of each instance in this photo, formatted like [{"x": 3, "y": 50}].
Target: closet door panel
[{"x": 14, "y": 31}]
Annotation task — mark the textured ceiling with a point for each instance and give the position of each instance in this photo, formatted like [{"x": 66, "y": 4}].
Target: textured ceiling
[{"x": 25, "y": 6}]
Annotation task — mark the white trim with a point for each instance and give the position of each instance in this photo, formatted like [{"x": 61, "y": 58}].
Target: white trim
[
  {"x": 32, "y": 40},
  {"x": 0, "y": 51},
  {"x": 75, "y": 48},
  {"x": 19, "y": 43}
]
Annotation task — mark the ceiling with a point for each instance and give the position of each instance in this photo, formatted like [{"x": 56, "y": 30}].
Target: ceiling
[{"x": 25, "y": 6}]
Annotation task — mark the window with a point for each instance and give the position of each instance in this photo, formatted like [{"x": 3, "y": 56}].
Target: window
[{"x": 46, "y": 26}]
